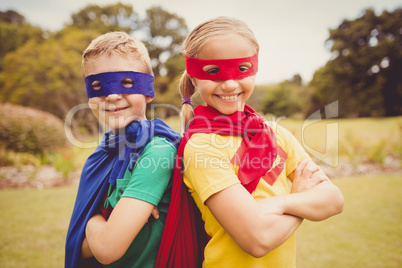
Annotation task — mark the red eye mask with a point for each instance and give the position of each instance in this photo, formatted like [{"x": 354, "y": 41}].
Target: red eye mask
[{"x": 228, "y": 68}]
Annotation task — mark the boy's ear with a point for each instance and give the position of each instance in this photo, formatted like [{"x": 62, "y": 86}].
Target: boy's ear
[{"x": 148, "y": 99}]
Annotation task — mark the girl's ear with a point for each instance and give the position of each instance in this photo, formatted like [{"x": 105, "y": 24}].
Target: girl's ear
[{"x": 193, "y": 81}]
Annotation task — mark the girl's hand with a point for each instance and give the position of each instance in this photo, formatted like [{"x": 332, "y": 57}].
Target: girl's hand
[
  {"x": 155, "y": 213},
  {"x": 272, "y": 205},
  {"x": 85, "y": 250},
  {"x": 313, "y": 196},
  {"x": 307, "y": 175}
]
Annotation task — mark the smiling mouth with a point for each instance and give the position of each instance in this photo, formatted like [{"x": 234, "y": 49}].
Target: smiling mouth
[
  {"x": 229, "y": 98},
  {"x": 116, "y": 109}
]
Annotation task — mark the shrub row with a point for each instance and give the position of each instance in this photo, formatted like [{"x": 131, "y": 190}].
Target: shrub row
[{"x": 24, "y": 129}]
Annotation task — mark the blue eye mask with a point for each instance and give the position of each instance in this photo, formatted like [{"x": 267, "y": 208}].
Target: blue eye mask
[{"x": 119, "y": 83}]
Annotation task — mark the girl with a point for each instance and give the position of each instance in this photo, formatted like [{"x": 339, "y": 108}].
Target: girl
[{"x": 235, "y": 165}]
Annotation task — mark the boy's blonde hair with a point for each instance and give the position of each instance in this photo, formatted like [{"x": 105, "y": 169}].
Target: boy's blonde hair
[
  {"x": 119, "y": 43},
  {"x": 192, "y": 45}
]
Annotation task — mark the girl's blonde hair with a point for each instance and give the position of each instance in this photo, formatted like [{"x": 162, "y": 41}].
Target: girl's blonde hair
[
  {"x": 119, "y": 43},
  {"x": 192, "y": 45}
]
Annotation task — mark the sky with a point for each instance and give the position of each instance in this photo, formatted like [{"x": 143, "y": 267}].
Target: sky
[{"x": 291, "y": 33}]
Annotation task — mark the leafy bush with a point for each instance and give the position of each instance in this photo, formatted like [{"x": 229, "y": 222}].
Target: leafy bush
[
  {"x": 67, "y": 159},
  {"x": 24, "y": 129},
  {"x": 286, "y": 99},
  {"x": 10, "y": 158}
]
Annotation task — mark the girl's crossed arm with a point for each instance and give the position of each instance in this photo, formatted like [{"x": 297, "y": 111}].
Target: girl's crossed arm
[
  {"x": 256, "y": 232},
  {"x": 314, "y": 197},
  {"x": 259, "y": 226}
]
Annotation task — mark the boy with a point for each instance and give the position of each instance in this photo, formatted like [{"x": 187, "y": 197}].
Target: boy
[{"x": 127, "y": 178}]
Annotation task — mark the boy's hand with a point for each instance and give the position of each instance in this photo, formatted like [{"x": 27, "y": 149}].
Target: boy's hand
[{"x": 307, "y": 175}]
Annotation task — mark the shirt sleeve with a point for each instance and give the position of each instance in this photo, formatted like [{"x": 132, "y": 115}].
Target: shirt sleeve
[
  {"x": 207, "y": 165},
  {"x": 152, "y": 172}
]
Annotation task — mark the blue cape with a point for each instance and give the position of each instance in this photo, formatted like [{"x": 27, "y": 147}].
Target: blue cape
[{"x": 109, "y": 162}]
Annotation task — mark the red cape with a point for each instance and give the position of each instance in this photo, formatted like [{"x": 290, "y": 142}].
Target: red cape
[{"x": 184, "y": 238}]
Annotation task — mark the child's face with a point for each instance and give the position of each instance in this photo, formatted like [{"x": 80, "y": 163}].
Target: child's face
[
  {"x": 117, "y": 110},
  {"x": 227, "y": 96}
]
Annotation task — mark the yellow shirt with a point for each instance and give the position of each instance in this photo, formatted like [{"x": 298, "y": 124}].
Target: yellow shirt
[{"x": 208, "y": 170}]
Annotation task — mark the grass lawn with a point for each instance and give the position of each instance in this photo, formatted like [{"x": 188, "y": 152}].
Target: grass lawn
[
  {"x": 33, "y": 226},
  {"x": 347, "y": 133},
  {"x": 328, "y": 139},
  {"x": 367, "y": 234}
]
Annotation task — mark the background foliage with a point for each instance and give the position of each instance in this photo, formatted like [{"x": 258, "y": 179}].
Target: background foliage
[
  {"x": 27, "y": 130},
  {"x": 364, "y": 73},
  {"x": 41, "y": 69}
]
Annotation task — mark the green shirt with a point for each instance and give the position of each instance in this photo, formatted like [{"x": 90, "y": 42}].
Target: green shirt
[{"x": 150, "y": 181}]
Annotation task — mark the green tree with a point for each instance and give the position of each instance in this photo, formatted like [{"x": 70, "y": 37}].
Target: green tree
[
  {"x": 11, "y": 16},
  {"x": 364, "y": 73},
  {"x": 15, "y": 32},
  {"x": 45, "y": 73},
  {"x": 103, "y": 19},
  {"x": 163, "y": 34},
  {"x": 288, "y": 98},
  {"x": 47, "y": 76}
]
